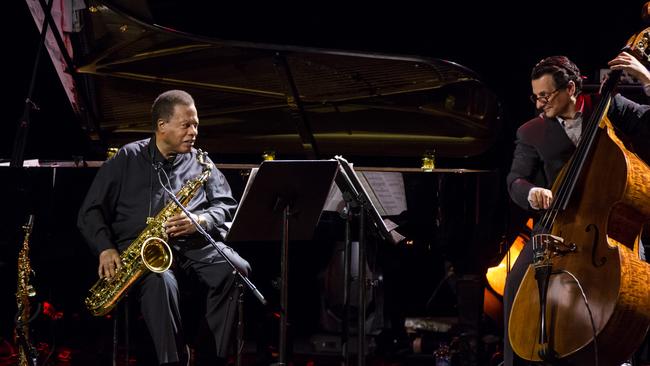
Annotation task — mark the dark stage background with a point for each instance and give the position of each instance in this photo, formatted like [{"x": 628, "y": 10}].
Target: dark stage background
[{"x": 499, "y": 41}]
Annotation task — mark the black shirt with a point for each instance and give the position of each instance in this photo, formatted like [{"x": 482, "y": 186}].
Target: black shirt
[{"x": 126, "y": 191}]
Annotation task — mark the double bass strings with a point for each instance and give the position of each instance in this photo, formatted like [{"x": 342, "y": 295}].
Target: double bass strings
[{"x": 580, "y": 156}]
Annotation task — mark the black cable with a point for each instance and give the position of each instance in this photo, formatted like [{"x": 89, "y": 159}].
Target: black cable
[
  {"x": 150, "y": 191},
  {"x": 167, "y": 188},
  {"x": 591, "y": 315}
]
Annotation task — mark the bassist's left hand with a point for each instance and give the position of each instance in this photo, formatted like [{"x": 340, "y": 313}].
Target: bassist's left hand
[{"x": 631, "y": 65}]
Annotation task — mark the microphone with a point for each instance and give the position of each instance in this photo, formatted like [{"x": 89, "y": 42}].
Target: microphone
[{"x": 157, "y": 165}]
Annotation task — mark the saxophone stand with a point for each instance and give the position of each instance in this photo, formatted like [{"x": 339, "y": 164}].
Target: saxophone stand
[
  {"x": 30, "y": 352},
  {"x": 283, "y": 201},
  {"x": 27, "y": 354}
]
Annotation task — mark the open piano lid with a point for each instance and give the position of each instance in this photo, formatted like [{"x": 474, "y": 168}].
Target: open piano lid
[{"x": 353, "y": 103}]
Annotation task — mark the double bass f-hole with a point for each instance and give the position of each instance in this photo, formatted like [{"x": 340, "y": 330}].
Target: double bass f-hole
[{"x": 594, "y": 246}]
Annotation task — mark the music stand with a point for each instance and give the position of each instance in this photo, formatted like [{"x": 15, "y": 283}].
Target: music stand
[
  {"x": 283, "y": 192},
  {"x": 356, "y": 197}
]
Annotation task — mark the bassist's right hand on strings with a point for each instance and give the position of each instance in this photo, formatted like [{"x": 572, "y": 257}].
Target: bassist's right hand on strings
[
  {"x": 540, "y": 198},
  {"x": 109, "y": 263}
]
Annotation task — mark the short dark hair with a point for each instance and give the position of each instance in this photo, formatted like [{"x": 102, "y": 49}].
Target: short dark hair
[
  {"x": 163, "y": 106},
  {"x": 562, "y": 70}
]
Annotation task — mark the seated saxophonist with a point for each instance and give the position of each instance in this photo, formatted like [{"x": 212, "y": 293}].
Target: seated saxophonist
[{"x": 127, "y": 193}]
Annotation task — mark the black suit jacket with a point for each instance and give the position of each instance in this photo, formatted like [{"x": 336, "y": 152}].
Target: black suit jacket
[{"x": 543, "y": 147}]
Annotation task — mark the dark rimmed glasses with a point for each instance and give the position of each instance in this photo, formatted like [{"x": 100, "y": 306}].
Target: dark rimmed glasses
[{"x": 543, "y": 98}]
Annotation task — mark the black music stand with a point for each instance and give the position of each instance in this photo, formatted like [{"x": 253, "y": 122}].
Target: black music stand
[
  {"x": 358, "y": 200},
  {"x": 280, "y": 193}
]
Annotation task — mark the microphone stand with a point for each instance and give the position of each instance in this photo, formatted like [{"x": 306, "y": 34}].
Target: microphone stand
[
  {"x": 18, "y": 153},
  {"x": 207, "y": 236}
]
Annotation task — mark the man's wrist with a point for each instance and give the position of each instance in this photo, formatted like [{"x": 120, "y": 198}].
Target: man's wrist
[
  {"x": 531, "y": 201},
  {"x": 202, "y": 221}
]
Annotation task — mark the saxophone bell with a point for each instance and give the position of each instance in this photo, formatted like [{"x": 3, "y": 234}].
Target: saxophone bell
[{"x": 156, "y": 254}]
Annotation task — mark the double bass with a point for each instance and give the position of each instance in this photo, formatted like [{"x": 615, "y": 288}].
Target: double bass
[{"x": 585, "y": 300}]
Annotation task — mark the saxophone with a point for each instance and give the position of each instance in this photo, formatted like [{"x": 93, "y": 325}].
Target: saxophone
[
  {"x": 27, "y": 354},
  {"x": 149, "y": 252}
]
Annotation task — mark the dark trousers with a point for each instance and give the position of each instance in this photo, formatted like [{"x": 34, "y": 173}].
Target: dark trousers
[
  {"x": 160, "y": 306},
  {"x": 513, "y": 280}
]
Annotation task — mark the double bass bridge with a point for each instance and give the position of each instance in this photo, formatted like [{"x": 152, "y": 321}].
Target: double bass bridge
[{"x": 548, "y": 246}]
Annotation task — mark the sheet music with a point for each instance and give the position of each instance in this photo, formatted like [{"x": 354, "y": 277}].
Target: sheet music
[
  {"x": 362, "y": 185},
  {"x": 384, "y": 189},
  {"x": 388, "y": 188}
]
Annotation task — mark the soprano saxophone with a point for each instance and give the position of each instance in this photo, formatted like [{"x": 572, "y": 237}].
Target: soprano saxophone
[
  {"x": 149, "y": 252},
  {"x": 27, "y": 354}
]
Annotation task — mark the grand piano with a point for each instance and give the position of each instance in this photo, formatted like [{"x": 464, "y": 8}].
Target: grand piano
[{"x": 381, "y": 111}]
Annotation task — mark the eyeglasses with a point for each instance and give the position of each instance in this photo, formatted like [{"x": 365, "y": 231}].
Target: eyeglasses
[{"x": 543, "y": 98}]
